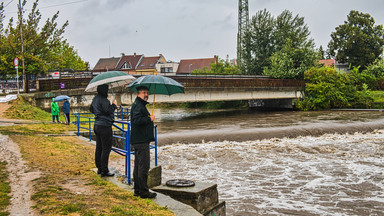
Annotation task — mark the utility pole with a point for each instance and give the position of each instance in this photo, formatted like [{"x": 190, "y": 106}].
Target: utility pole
[
  {"x": 242, "y": 26},
  {"x": 25, "y": 87}
]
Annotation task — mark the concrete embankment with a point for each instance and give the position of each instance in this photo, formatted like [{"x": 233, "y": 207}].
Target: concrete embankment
[{"x": 238, "y": 134}]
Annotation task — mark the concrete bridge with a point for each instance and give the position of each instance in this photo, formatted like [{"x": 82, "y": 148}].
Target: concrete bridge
[{"x": 259, "y": 91}]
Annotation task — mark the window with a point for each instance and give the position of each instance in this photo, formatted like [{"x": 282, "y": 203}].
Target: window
[
  {"x": 125, "y": 66},
  {"x": 166, "y": 70}
]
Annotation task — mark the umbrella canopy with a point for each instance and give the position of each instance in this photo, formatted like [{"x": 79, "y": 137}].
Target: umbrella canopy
[
  {"x": 157, "y": 85},
  {"x": 111, "y": 78},
  {"x": 61, "y": 98}
]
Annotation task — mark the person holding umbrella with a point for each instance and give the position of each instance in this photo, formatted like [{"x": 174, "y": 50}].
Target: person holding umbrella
[
  {"x": 55, "y": 111},
  {"x": 104, "y": 119},
  {"x": 141, "y": 135},
  {"x": 66, "y": 110}
]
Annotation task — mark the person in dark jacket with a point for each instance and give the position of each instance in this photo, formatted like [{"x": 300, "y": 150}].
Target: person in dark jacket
[
  {"x": 142, "y": 134},
  {"x": 66, "y": 110},
  {"x": 104, "y": 119}
]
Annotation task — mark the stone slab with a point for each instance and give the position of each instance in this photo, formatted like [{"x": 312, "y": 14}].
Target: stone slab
[{"x": 202, "y": 197}]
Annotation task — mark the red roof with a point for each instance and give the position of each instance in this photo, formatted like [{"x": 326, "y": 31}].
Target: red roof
[
  {"x": 149, "y": 62},
  {"x": 106, "y": 64},
  {"x": 131, "y": 60},
  {"x": 188, "y": 65},
  {"x": 328, "y": 62}
]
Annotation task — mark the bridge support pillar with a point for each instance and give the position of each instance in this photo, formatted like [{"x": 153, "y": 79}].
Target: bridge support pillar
[{"x": 271, "y": 103}]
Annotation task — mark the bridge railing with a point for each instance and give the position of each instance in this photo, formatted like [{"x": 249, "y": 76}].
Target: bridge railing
[{"x": 85, "y": 122}]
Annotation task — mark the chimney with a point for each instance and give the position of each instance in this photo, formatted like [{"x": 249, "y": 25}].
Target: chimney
[{"x": 134, "y": 54}]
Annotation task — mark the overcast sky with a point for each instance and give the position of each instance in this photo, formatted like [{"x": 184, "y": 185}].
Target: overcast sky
[{"x": 182, "y": 29}]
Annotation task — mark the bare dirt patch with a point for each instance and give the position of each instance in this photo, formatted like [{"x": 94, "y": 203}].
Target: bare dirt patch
[{"x": 20, "y": 177}]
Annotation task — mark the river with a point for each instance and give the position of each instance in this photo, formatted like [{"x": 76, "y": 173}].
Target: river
[{"x": 326, "y": 174}]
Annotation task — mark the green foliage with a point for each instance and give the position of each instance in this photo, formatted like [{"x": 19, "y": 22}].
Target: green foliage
[
  {"x": 358, "y": 41},
  {"x": 327, "y": 88},
  {"x": 376, "y": 68},
  {"x": 44, "y": 46},
  {"x": 220, "y": 67},
  {"x": 279, "y": 46},
  {"x": 290, "y": 62},
  {"x": 5, "y": 189},
  {"x": 365, "y": 77}
]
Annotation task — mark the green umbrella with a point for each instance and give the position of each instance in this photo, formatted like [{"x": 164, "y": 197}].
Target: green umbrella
[
  {"x": 157, "y": 85},
  {"x": 111, "y": 78}
]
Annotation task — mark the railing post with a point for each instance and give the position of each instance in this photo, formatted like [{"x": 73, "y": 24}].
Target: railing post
[
  {"x": 90, "y": 129},
  {"x": 78, "y": 124},
  {"x": 128, "y": 155},
  {"x": 155, "y": 145}
]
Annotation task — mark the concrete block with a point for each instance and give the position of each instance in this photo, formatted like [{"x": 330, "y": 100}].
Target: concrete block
[
  {"x": 154, "y": 177},
  {"x": 217, "y": 210},
  {"x": 202, "y": 197}
]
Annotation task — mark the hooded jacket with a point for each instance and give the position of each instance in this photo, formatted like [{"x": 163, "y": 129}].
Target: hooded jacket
[
  {"x": 54, "y": 108},
  {"x": 102, "y": 108},
  {"x": 66, "y": 107},
  {"x": 141, "y": 124}
]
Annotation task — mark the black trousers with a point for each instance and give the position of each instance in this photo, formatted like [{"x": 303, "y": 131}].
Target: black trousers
[
  {"x": 140, "y": 171},
  {"x": 67, "y": 118},
  {"x": 104, "y": 141}
]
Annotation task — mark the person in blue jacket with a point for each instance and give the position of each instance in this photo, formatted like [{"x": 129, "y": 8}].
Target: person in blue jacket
[{"x": 66, "y": 110}]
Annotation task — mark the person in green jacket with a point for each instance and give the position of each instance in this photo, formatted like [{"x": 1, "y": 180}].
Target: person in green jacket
[{"x": 55, "y": 111}]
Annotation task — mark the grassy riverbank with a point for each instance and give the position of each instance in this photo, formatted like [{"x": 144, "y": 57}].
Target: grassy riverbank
[
  {"x": 4, "y": 190},
  {"x": 67, "y": 185}
]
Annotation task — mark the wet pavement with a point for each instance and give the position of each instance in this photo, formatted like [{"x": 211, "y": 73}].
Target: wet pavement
[{"x": 328, "y": 175}]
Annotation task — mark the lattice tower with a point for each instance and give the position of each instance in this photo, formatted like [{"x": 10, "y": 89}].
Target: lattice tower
[{"x": 242, "y": 26}]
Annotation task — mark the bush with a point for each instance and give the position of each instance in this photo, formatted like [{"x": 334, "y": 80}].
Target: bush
[{"x": 327, "y": 88}]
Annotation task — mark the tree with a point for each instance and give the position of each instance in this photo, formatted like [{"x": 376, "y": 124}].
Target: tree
[
  {"x": 321, "y": 52},
  {"x": 291, "y": 62},
  {"x": 44, "y": 47},
  {"x": 358, "y": 41},
  {"x": 270, "y": 39},
  {"x": 258, "y": 46}
]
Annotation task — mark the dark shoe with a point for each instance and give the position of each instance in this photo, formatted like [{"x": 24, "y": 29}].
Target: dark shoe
[
  {"x": 108, "y": 174},
  {"x": 98, "y": 171},
  {"x": 136, "y": 194},
  {"x": 149, "y": 195}
]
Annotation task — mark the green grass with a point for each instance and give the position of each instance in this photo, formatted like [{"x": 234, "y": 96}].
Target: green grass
[
  {"x": 22, "y": 110},
  {"x": 68, "y": 161},
  {"x": 5, "y": 189}
]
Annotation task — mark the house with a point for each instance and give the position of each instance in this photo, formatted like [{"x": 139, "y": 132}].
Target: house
[
  {"x": 335, "y": 64},
  {"x": 129, "y": 63},
  {"x": 167, "y": 68},
  {"x": 132, "y": 64},
  {"x": 147, "y": 65},
  {"x": 106, "y": 64},
  {"x": 186, "y": 66}
]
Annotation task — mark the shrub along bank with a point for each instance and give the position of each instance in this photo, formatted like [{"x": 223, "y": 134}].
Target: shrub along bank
[{"x": 327, "y": 88}]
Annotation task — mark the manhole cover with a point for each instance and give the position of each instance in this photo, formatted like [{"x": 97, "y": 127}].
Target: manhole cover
[{"x": 180, "y": 183}]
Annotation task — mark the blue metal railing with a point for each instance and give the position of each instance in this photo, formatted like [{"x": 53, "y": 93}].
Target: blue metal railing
[
  {"x": 122, "y": 113},
  {"x": 87, "y": 119}
]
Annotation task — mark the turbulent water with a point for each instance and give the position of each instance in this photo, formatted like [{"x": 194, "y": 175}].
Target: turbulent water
[{"x": 327, "y": 175}]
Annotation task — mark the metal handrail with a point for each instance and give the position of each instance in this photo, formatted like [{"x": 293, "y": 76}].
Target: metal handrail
[{"x": 126, "y": 132}]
